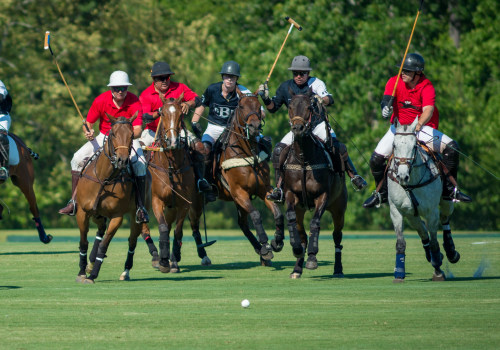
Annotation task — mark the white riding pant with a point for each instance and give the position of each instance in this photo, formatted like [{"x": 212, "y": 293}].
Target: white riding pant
[
  {"x": 319, "y": 131},
  {"x": 137, "y": 159},
  {"x": 5, "y": 122},
  {"x": 433, "y": 138},
  {"x": 148, "y": 137},
  {"x": 213, "y": 132}
]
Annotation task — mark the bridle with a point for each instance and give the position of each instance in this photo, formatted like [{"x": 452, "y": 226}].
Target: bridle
[
  {"x": 176, "y": 128},
  {"x": 410, "y": 161},
  {"x": 242, "y": 123},
  {"x": 111, "y": 149},
  {"x": 305, "y": 121}
]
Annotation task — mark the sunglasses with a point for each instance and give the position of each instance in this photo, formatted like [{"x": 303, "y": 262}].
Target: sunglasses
[
  {"x": 162, "y": 78},
  {"x": 406, "y": 72},
  {"x": 295, "y": 73},
  {"x": 119, "y": 88}
]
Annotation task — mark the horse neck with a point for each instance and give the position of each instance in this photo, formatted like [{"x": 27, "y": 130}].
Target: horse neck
[
  {"x": 420, "y": 170},
  {"x": 304, "y": 145},
  {"x": 237, "y": 137},
  {"x": 103, "y": 168}
]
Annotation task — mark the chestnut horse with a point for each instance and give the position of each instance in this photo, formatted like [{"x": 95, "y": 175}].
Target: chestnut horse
[
  {"x": 173, "y": 188},
  {"x": 106, "y": 190},
  {"x": 23, "y": 176},
  {"x": 310, "y": 182},
  {"x": 242, "y": 173}
]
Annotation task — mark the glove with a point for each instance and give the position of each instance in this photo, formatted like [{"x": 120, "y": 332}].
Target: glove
[
  {"x": 147, "y": 118},
  {"x": 263, "y": 91},
  {"x": 185, "y": 107},
  {"x": 318, "y": 99},
  {"x": 197, "y": 129},
  {"x": 387, "y": 111}
]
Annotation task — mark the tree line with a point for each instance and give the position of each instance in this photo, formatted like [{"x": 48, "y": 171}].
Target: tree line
[{"x": 353, "y": 45}]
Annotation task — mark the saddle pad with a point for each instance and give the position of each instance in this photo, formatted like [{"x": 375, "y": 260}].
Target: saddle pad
[{"x": 239, "y": 162}]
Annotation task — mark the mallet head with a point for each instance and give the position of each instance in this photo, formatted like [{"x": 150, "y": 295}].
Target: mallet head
[{"x": 295, "y": 24}]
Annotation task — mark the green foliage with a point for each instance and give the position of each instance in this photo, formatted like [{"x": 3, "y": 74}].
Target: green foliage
[{"x": 354, "y": 46}]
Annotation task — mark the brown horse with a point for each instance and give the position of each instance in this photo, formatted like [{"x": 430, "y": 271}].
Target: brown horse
[
  {"x": 241, "y": 173},
  {"x": 23, "y": 176},
  {"x": 173, "y": 187},
  {"x": 311, "y": 182},
  {"x": 106, "y": 190}
]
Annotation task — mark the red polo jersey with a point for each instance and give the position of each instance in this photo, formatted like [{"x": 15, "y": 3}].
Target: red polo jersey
[
  {"x": 150, "y": 99},
  {"x": 104, "y": 104},
  {"x": 408, "y": 103}
]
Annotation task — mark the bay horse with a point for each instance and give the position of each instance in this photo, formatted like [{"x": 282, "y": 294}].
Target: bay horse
[
  {"x": 173, "y": 188},
  {"x": 310, "y": 182},
  {"x": 241, "y": 173},
  {"x": 106, "y": 191},
  {"x": 414, "y": 193},
  {"x": 23, "y": 176}
]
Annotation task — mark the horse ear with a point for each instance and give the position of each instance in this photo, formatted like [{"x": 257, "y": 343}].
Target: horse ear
[
  {"x": 180, "y": 98},
  {"x": 290, "y": 91},
  {"x": 310, "y": 91},
  {"x": 238, "y": 91},
  {"x": 414, "y": 124},
  {"x": 162, "y": 98},
  {"x": 396, "y": 122},
  {"x": 134, "y": 116},
  {"x": 111, "y": 118}
]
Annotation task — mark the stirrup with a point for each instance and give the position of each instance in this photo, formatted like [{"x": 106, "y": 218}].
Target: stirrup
[
  {"x": 277, "y": 195},
  {"x": 377, "y": 198},
  {"x": 4, "y": 174},
  {"x": 141, "y": 216},
  {"x": 203, "y": 185},
  {"x": 358, "y": 183},
  {"x": 66, "y": 209},
  {"x": 458, "y": 196}
]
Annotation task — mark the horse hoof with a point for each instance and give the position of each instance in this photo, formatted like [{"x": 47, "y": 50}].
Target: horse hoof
[
  {"x": 88, "y": 281},
  {"x": 48, "y": 239},
  {"x": 295, "y": 275},
  {"x": 338, "y": 275},
  {"x": 455, "y": 258},
  {"x": 125, "y": 276},
  {"x": 438, "y": 276},
  {"x": 277, "y": 247},
  {"x": 206, "y": 261},
  {"x": 155, "y": 262},
  {"x": 266, "y": 252},
  {"x": 312, "y": 263},
  {"x": 164, "y": 269},
  {"x": 89, "y": 267},
  {"x": 266, "y": 263},
  {"x": 80, "y": 278},
  {"x": 398, "y": 280},
  {"x": 174, "y": 269}
]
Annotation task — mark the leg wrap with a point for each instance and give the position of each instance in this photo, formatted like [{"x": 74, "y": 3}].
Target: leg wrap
[
  {"x": 259, "y": 228},
  {"x": 164, "y": 241},
  {"x": 436, "y": 258},
  {"x": 312, "y": 247},
  {"x": 97, "y": 266},
  {"x": 399, "y": 270}
]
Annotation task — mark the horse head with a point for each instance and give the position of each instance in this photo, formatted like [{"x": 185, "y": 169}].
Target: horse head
[
  {"x": 171, "y": 118},
  {"x": 248, "y": 114},
  {"x": 405, "y": 150},
  {"x": 300, "y": 112},
  {"x": 119, "y": 142}
]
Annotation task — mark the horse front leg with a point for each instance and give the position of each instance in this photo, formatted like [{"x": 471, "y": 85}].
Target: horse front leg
[
  {"x": 277, "y": 242},
  {"x": 436, "y": 255},
  {"x": 446, "y": 209},
  {"x": 397, "y": 221},
  {"x": 83, "y": 224},
  {"x": 113, "y": 226},
  {"x": 313, "y": 246},
  {"x": 164, "y": 230},
  {"x": 101, "y": 230},
  {"x": 175, "y": 255},
  {"x": 337, "y": 210},
  {"x": 195, "y": 213},
  {"x": 135, "y": 230}
]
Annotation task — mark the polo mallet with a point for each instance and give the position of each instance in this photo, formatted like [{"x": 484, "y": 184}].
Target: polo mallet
[
  {"x": 404, "y": 57},
  {"x": 47, "y": 46},
  {"x": 207, "y": 243},
  {"x": 292, "y": 24}
]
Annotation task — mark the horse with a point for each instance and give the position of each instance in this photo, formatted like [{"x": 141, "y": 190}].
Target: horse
[
  {"x": 173, "y": 187},
  {"x": 241, "y": 173},
  {"x": 311, "y": 180},
  {"x": 106, "y": 191},
  {"x": 23, "y": 176},
  {"x": 414, "y": 193}
]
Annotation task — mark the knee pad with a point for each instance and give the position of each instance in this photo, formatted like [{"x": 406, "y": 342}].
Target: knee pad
[
  {"x": 377, "y": 162},
  {"x": 277, "y": 151}
]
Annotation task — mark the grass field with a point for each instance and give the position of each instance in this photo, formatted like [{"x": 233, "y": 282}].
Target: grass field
[{"x": 43, "y": 308}]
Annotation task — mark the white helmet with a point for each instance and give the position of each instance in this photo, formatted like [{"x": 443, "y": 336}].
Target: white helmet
[{"x": 119, "y": 78}]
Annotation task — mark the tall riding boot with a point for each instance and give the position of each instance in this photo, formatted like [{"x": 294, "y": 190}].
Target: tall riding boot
[
  {"x": 451, "y": 161},
  {"x": 277, "y": 193},
  {"x": 378, "y": 163},
  {"x": 356, "y": 180},
  {"x": 141, "y": 215},
  {"x": 4, "y": 156},
  {"x": 199, "y": 170},
  {"x": 265, "y": 144},
  {"x": 70, "y": 208}
]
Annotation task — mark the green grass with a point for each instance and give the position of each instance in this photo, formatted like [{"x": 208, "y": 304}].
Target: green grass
[{"x": 43, "y": 308}]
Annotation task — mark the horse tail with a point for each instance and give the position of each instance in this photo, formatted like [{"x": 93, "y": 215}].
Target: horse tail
[{"x": 21, "y": 143}]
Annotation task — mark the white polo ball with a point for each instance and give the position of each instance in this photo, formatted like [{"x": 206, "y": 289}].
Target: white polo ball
[{"x": 245, "y": 303}]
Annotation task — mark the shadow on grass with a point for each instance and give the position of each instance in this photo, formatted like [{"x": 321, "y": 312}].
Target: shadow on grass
[
  {"x": 171, "y": 279},
  {"x": 276, "y": 265},
  {"x": 41, "y": 253},
  {"x": 9, "y": 287},
  {"x": 354, "y": 276},
  {"x": 461, "y": 279}
]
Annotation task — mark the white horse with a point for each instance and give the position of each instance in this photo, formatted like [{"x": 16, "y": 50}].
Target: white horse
[{"x": 415, "y": 187}]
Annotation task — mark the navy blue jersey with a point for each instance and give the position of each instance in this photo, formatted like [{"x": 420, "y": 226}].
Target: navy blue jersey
[
  {"x": 220, "y": 108},
  {"x": 283, "y": 96}
]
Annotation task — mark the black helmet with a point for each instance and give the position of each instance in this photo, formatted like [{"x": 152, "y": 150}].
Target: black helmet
[
  {"x": 231, "y": 68},
  {"x": 161, "y": 68},
  {"x": 414, "y": 63}
]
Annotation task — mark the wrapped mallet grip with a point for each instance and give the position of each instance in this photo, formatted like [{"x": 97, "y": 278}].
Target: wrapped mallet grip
[
  {"x": 295, "y": 24},
  {"x": 47, "y": 40}
]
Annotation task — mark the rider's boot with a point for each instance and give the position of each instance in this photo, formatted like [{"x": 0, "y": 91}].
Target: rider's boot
[
  {"x": 200, "y": 155},
  {"x": 451, "y": 160},
  {"x": 356, "y": 180},
  {"x": 378, "y": 164},
  {"x": 4, "y": 156},
  {"x": 141, "y": 215},
  {"x": 277, "y": 194},
  {"x": 70, "y": 208}
]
